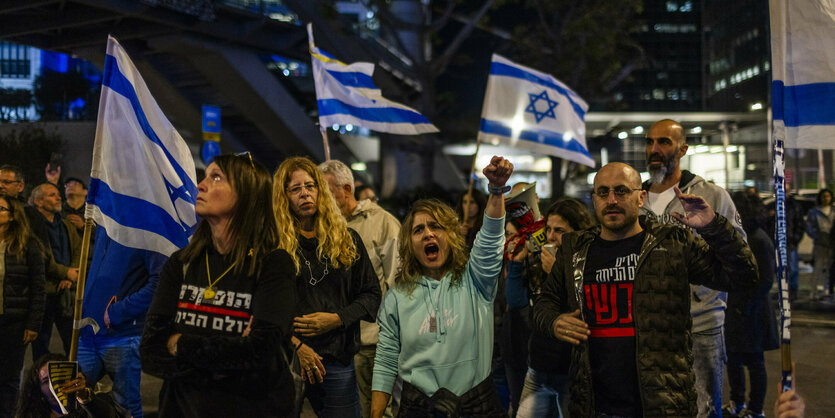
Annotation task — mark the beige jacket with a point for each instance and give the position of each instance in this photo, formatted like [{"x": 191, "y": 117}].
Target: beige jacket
[{"x": 379, "y": 231}]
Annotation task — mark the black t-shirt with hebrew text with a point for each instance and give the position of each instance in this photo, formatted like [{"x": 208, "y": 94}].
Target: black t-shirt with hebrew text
[{"x": 608, "y": 278}]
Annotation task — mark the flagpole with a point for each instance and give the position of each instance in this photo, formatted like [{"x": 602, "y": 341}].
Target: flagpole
[
  {"x": 472, "y": 173},
  {"x": 782, "y": 257},
  {"x": 325, "y": 143},
  {"x": 79, "y": 289}
]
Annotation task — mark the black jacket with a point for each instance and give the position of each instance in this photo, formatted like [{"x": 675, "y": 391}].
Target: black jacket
[
  {"x": 750, "y": 325},
  {"x": 217, "y": 371},
  {"x": 353, "y": 293},
  {"x": 671, "y": 258},
  {"x": 23, "y": 287}
]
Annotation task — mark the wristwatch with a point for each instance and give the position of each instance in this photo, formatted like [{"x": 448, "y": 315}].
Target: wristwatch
[{"x": 498, "y": 190}]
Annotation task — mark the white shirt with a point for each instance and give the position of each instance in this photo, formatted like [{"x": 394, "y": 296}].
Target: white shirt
[{"x": 657, "y": 202}]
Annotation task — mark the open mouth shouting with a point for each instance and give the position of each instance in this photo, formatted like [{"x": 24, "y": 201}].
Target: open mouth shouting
[{"x": 432, "y": 251}]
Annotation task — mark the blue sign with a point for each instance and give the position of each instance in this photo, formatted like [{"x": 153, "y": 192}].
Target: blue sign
[
  {"x": 209, "y": 151},
  {"x": 211, "y": 121}
]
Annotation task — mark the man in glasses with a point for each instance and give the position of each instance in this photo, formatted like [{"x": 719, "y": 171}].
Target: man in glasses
[
  {"x": 665, "y": 146},
  {"x": 620, "y": 293}
]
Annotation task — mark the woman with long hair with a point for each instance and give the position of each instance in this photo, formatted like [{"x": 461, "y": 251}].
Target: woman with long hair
[
  {"x": 214, "y": 330},
  {"x": 37, "y": 401},
  {"x": 22, "y": 297},
  {"x": 335, "y": 283},
  {"x": 548, "y": 358},
  {"x": 436, "y": 323},
  {"x": 819, "y": 223},
  {"x": 470, "y": 210}
]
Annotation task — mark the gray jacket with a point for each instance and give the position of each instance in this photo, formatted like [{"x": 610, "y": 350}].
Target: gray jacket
[{"x": 707, "y": 306}]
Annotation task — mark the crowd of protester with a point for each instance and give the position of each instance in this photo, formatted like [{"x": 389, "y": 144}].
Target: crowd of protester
[{"x": 298, "y": 285}]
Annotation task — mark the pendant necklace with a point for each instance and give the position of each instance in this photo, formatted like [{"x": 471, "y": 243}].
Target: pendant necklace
[
  {"x": 312, "y": 281},
  {"x": 209, "y": 293}
]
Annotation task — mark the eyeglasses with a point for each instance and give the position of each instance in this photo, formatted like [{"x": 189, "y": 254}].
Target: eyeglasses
[
  {"x": 620, "y": 192},
  {"x": 296, "y": 190},
  {"x": 248, "y": 154},
  {"x": 9, "y": 182}
]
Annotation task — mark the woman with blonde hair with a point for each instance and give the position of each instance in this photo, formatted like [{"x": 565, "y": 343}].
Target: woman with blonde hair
[
  {"x": 436, "y": 323},
  {"x": 335, "y": 283}
]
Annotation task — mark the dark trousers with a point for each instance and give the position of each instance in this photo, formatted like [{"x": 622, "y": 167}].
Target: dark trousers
[
  {"x": 11, "y": 361},
  {"x": 53, "y": 314},
  {"x": 513, "y": 343},
  {"x": 737, "y": 362}
]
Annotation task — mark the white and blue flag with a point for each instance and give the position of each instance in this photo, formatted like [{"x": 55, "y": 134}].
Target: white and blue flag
[
  {"x": 803, "y": 72},
  {"x": 346, "y": 94},
  {"x": 142, "y": 185},
  {"x": 529, "y": 109}
]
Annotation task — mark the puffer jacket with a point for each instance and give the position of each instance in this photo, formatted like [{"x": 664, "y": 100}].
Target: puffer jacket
[
  {"x": 23, "y": 295},
  {"x": 671, "y": 258}
]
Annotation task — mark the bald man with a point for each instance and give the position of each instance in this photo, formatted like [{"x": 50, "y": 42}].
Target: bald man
[
  {"x": 620, "y": 293},
  {"x": 665, "y": 146}
]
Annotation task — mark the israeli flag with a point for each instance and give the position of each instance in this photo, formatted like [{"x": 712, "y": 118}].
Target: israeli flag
[
  {"x": 346, "y": 94},
  {"x": 803, "y": 72},
  {"x": 528, "y": 109},
  {"x": 142, "y": 185}
]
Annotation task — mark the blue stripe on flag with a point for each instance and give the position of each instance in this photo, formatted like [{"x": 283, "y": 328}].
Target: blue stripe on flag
[
  {"x": 329, "y": 107},
  {"x": 539, "y": 136},
  {"x": 804, "y": 104},
  {"x": 353, "y": 79},
  {"x": 501, "y": 69},
  {"x": 138, "y": 213},
  {"x": 116, "y": 81}
]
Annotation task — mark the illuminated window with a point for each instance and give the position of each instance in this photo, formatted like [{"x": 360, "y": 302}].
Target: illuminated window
[{"x": 14, "y": 60}]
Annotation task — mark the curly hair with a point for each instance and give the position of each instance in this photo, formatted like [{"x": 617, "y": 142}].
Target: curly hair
[
  {"x": 411, "y": 270},
  {"x": 335, "y": 241},
  {"x": 252, "y": 234},
  {"x": 31, "y": 403},
  {"x": 17, "y": 234}
]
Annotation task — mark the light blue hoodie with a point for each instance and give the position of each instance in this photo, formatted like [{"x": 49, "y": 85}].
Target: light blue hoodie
[{"x": 457, "y": 355}]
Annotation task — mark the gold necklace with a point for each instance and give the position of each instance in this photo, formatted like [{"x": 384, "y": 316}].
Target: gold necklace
[{"x": 209, "y": 293}]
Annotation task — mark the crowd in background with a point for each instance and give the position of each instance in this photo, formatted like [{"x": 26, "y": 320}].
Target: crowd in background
[{"x": 298, "y": 285}]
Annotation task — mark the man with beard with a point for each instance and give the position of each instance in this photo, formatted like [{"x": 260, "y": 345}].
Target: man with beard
[
  {"x": 619, "y": 292},
  {"x": 665, "y": 145}
]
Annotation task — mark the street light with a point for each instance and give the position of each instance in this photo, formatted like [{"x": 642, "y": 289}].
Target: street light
[{"x": 756, "y": 106}]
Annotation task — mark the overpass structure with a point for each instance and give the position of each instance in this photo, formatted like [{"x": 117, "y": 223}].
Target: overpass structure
[{"x": 249, "y": 57}]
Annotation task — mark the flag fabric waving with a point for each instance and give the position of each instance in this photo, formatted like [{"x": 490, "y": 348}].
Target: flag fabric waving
[
  {"x": 803, "y": 72},
  {"x": 346, "y": 94},
  {"x": 529, "y": 109},
  {"x": 142, "y": 185}
]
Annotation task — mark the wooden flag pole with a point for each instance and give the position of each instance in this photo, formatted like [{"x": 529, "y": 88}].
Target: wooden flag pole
[
  {"x": 79, "y": 289},
  {"x": 472, "y": 179},
  {"x": 325, "y": 143}
]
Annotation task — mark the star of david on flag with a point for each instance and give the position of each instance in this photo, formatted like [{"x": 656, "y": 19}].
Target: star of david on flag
[
  {"x": 529, "y": 109},
  {"x": 548, "y": 102}
]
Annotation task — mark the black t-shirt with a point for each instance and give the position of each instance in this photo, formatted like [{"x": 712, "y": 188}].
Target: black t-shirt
[{"x": 608, "y": 278}]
